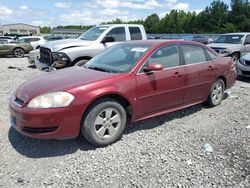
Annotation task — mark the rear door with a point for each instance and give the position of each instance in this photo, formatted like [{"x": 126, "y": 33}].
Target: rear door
[
  {"x": 160, "y": 90},
  {"x": 200, "y": 72}
]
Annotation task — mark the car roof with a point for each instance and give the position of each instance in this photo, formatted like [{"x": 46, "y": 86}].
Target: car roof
[
  {"x": 241, "y": 33},
  {"x": 30, "y": 37},
  {"x": 120, "y": 25},
  {"x": 160, "y": 42}
]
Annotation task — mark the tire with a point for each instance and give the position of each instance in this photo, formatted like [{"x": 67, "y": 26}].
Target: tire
[
  {"x": 235, "y": 57},
  {"x": 104, "y": 122},
  {"x": 216, "y": 93},
  {"x": 18, "y": 52},
  {"x": 81, "y": 62}
]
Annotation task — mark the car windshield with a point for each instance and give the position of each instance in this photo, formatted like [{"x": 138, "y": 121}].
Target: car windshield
[
  {"x": 93, "y": 33},
  {"x": 232, "y": 39},
  {"x": 118, "y": 59}
]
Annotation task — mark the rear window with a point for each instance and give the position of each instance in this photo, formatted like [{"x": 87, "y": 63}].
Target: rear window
[{"x": 135, "y": 33}]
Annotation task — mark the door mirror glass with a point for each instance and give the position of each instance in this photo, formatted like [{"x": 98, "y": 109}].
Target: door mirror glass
[{"x": 153, "y": 67}]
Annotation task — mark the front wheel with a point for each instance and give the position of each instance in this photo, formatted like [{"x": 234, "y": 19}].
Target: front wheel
[
  {"x": 235, "y": 57},
  {"x": 81, "y": 62},
  {"x": 216, "y": 93},
  {"x": 104, "y": 123},
  {"x": 19, "y": 52}
]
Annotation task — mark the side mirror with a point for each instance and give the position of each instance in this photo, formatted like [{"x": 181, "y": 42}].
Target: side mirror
[
  {"x": 246, "y": 42},
  {"x": 108, "y": 39},
  {"x": 153, "y": 67}
]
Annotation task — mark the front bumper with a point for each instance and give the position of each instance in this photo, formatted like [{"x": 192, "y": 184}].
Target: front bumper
[
  {"x": 42, "y": 66},
  {"x": 242, "y": 70},
  {"x": 32, "y": 58},
  {"x": 57, "y": 123}
]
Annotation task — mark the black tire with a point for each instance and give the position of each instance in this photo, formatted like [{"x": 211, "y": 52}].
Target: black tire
[
  {"x": 235, "y": 57},
  {"x": 19, "y": 52},
  {"x": 104, "y": 122},
  {"x": 81, "y": 62},
  {"x": 216, "y": 93}
]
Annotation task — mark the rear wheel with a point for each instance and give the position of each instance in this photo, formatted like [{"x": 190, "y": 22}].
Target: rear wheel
[
  {"x": 19, "y": 52},
  {"x": 104, "y": 122},
  {"x": 235, "y": 57},
  {"x": 216, "y": 93}
]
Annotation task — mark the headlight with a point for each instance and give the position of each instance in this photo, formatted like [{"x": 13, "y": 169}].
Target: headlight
[
  {"x": 242, "y": 61},
  {"x": 52, "y": 100},
  {"x": 59, "y": 56},
  {"x": 225, "y": 51}
]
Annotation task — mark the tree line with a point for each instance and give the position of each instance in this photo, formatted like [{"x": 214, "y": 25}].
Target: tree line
[{"x": 215, "y": 18}]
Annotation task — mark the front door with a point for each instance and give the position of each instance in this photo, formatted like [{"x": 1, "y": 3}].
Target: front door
[{"x": 161, "y": 90}]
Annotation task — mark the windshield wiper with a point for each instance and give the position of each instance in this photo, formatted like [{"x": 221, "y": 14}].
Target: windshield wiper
[{"x": 99, "y": 69}]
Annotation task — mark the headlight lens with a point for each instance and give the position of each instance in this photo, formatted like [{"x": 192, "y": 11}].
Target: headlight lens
[
  {"x": 59, "y": 56},
  {"x": 52, "y": 100},
  {"x": 225, "y": 51},
  {"x": 242, "y": 61}
]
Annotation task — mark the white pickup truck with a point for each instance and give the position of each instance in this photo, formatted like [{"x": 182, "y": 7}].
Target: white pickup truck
[{"x": 70, "y": 52}]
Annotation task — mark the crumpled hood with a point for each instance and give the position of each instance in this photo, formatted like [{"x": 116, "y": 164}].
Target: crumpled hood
[
  {"x": 55, "y": 46},
  {"x": 59, "y": 81},
  {"x": 231, "y": 47}
]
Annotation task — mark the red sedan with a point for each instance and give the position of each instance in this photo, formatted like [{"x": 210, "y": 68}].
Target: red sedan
[{"x": 128, "y": 82}]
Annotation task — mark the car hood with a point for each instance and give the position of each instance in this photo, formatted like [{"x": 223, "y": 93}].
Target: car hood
[
  {"x": 59, "y": 81},
  {"x": 224, "y": 46},
  {"x": 55, "y": 46},
  {"x": 246, "y": 57}
]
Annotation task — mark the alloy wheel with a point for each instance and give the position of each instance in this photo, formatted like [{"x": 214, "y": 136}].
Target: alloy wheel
[
  {"x": 107, "y": 123},
  {"x": 217, "y": 93}
]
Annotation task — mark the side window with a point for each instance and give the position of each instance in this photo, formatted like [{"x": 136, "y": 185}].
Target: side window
[
  {"x": 247, "y": 40},
  {"x": 135, "y": 33},
  {"x": 211, "y": 55},
  {"x": 193, "y": 54},
  {"x": 167, "y": 56},
  {"x": 34, "y": 39},
  {"x": 118, "y": 33}
]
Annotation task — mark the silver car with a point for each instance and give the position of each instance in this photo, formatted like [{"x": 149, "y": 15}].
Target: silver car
[{"x": 243, "y": 66}]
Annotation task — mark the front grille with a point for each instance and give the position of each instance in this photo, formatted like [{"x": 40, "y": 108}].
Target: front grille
[
  {"x": 39, "y": 130},
  {"x": 19, "y": 101},
  {"x": 247, "y": 62},
  {"x": 46, "y": 56},
  {"x": 246, "y": 72}
]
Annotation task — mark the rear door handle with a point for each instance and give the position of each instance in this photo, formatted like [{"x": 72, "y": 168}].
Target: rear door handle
[
  {"x": 177, "y": 75},
  {"x": 210, "y": 68}
]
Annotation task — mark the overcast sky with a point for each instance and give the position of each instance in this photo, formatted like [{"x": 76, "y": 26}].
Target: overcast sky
[{"x": 89, "y": 12}]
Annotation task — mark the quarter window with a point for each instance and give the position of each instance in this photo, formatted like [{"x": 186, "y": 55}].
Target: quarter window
[
  {"x": 211, "y": 55},
  {"x": 118, "y": 33},
  {"x": 135, "y": 33},
  {"x": 193, "y": 54}
]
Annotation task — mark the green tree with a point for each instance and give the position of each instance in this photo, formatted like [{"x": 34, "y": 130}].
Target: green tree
[
  {"x": 240, "y": 14},
  {"x": 45, "y": 29},
  {"x": 151, "y": 23}
]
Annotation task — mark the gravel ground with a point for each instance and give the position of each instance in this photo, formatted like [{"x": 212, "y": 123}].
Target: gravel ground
[{"x": 166, "y": 151}]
